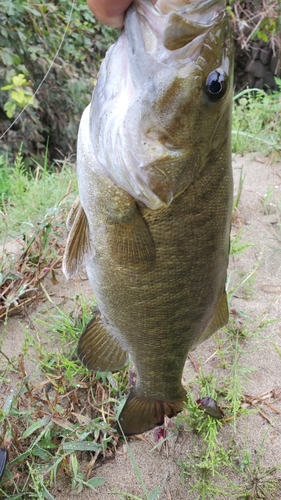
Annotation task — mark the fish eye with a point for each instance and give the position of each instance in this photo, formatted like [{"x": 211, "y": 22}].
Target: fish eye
[{"x": 216, "y": 84}]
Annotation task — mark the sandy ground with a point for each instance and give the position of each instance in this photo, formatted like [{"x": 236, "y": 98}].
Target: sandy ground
[{"x": 260, "y": 301}]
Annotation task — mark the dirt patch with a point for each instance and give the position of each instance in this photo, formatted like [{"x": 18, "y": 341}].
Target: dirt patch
[{"x": 255, "y": 281}]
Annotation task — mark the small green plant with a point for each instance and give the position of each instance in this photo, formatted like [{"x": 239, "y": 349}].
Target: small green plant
[
  {"x": 261, "y": 483},
  {"x": 256, "y": 122},
  {"x": 268, "y": 205},
  {"x": 258, "y": 482},
  {"x": 208, "y": 455},
  {"x": 243, "y": 280},
  {"x": 237, "y": 246},
  {"x": 5, "y": 181},
  {"x": 20, "y": 95}
]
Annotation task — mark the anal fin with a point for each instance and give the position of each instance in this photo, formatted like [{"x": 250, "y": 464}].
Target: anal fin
[
  {"x": 129, "y": 239},
  {"x": 220, "y": 318},
  {"x": 78, "y": 241},
  {"x": 141, "y": 414},
  {"x": 98, "y": 349}
]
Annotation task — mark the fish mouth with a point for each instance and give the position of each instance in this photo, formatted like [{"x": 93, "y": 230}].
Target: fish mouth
[
  {"x": 186, "y": 20},
  {"x": 192, "y": 6},
  {"x": 172, "y": 39},
  {"x": 181, "y": 31}
]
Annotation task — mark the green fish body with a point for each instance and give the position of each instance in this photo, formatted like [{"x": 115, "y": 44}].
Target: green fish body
[{"x": 155, "y": 185}]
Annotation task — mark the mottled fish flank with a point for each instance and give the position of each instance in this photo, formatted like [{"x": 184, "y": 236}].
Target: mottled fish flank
[{"x": 155, "y": 185}]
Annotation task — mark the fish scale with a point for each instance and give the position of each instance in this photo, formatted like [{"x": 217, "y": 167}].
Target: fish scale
[{"x": 153, "y": 222}]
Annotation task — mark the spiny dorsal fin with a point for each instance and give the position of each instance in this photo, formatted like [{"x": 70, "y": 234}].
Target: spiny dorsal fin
[
  {"x": 129, "y": 239},
  {"x": 98, "y": 349},
  {"x": 78, "y": 241},
  {"x": 141, "y": 414}
]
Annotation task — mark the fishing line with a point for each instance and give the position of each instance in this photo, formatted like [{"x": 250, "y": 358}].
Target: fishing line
[{"x": 46, "y": 75}]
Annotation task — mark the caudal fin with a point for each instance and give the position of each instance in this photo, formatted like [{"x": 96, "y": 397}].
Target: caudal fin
[{"x": 141, "y": 414}]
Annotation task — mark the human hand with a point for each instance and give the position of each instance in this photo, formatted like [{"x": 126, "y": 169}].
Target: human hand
[{"x": 110, "y": 12}]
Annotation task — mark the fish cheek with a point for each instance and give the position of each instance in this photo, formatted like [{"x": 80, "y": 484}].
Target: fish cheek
[{"x": 175, "y": 111}]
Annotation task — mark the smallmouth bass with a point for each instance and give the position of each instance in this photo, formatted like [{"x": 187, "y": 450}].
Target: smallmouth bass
[{"x": 155, "y": 185}]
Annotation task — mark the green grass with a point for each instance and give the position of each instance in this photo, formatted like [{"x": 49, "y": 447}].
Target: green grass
[
  {"x": 34, "y": 206},
  {"x": 256, "y": 121},
  {"x": 28, "y": 197}
]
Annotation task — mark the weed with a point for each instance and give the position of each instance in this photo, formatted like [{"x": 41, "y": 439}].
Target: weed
[
  {"x": 156, "y": 493},
  {"x": 210, "y": 464},
  {"x": 237, "y": 198},
  {"x": 37, "y": 210},
  {"x": 208, "y": 454},
  {"x": 236, "y": 244},
  {"x": 51, "y": 424},
  {"x": 257, "y": 482},
  {"x": 5, "y": 181},
  {"x": 243, "y": 280},
  {"x": 267, "y": 203},
  {"x": 32, "y": 196},
  {"x": 256, "y": 123},
  {"x": 277, "y": 350}
]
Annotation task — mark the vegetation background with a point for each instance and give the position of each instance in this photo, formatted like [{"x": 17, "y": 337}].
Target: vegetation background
[
  {"x": 54, "y": 49},
  {"x": 56, "y": 46}
]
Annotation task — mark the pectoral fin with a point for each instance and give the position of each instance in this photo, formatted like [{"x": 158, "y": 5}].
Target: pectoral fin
[
  {"x": 129, "y": 239},
  {"x": 78, "y": 241},
  {"x": 98, "y": 349},
  {"x": 141, "y": 414},
  {"x": 219, "y": 319}
]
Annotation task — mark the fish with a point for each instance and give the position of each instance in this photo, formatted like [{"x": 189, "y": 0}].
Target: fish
[{"x": 152, "y": 221}]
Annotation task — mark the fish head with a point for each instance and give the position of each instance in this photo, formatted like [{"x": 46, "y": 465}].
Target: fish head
[{"x": 164, "y": 100}]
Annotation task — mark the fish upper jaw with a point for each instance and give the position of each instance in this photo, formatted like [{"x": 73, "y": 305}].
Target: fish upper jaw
[{"x": 198, "y": 7}]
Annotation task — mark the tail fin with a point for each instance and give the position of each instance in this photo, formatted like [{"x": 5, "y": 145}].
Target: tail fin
[{"x": 141, "y": 414}]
